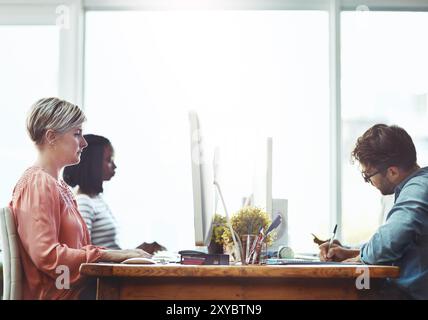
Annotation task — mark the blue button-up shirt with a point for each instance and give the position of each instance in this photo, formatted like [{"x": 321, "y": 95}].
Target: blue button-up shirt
[{"x": 403, "y": 240}]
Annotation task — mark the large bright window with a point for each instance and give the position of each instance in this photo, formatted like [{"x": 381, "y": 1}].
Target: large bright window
[
  {"x": 384, "y": 80},
  {"x": 29, "y": 62},
  {"x": 249, "y": 75}
]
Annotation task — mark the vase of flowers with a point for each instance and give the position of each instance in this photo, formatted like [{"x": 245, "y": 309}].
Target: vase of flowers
[{"x": 247, "y": 223}]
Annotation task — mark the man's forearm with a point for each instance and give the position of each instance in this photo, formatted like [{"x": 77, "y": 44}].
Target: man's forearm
[{"x": 353, "y": 253}]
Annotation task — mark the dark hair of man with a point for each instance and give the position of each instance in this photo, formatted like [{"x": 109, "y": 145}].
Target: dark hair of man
[
  {"x": 88, "y": 173},
  {"x": 383, "y": 146}
]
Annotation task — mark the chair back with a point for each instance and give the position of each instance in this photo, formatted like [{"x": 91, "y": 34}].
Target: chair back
[{"x": 12, "y": 268}]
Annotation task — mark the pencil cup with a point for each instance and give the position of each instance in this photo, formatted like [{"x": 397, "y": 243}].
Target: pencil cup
[
  {"x": 248, "y": 243},
  {"x": 263, "y": 253}
]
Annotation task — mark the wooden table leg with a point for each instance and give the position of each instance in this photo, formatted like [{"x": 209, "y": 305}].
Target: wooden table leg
[{"x": 108, "y": 288}]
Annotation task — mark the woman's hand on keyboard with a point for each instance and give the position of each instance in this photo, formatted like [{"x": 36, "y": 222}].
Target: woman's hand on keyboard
[{"x": 121, "y": 255}]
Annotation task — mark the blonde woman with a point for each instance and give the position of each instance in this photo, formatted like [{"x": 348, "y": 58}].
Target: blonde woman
[{"x": 54, "y": 239}]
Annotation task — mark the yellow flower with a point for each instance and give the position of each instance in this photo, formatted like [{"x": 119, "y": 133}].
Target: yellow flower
[
  {"x": 249, "y": 220},
  {"x": 219, "y": 227}
]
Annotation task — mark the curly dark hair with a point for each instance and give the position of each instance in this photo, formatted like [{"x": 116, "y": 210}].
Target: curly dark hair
[
  {"x": 88, "y": 173},
  {"x": 383, "y": 146}
]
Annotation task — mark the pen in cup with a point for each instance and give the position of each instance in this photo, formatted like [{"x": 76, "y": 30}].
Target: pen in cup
[
  {"x": 258, "y": 247},
  {"x": 247, "y": 247},
  {"x": 275, "y": 223},
  {"x": 253, "y": 247}
]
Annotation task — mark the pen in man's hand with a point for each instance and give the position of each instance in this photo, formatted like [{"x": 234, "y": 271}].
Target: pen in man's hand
[{"x": 332, "y": 238}]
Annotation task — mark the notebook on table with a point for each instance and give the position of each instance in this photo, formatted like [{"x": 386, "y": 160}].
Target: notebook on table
[{"x": 274, "y": 261}]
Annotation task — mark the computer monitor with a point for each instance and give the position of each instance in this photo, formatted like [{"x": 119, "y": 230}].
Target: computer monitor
[
  {"x": 262, "y": 190},
  {"x": 203, "y": 183},
  {"x": 262, "y": 176},
  {"x": 204, "y": 164}
]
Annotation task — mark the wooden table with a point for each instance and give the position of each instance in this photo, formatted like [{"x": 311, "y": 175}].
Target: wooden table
[{"x": 184, "y": 282}]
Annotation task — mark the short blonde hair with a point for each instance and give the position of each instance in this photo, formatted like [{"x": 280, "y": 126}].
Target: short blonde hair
[{"x": 55, "y": 114}]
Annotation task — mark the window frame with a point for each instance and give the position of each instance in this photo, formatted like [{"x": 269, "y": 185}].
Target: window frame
[
  {"x": 71, "y": 69},
  {"x": 44, "y": 12}
]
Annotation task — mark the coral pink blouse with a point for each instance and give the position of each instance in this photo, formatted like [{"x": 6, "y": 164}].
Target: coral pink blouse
[{"x": 53, "y": 236}]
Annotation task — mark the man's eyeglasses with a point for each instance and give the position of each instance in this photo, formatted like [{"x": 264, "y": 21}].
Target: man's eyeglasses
[{"x": 367, "y": 177}]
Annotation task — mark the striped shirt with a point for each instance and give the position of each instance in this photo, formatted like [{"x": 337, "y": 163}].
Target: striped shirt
[{"x": 101, "y": 223}]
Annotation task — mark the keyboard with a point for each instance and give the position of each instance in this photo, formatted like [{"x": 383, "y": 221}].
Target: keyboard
[{"x": 165, "y": 257}]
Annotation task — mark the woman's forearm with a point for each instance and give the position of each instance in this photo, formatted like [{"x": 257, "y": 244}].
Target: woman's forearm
[{"x": 121, "y": 255}]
